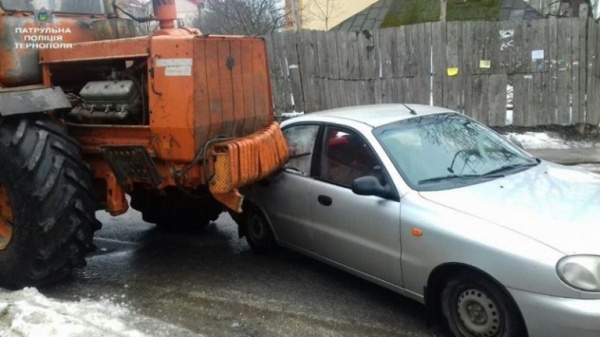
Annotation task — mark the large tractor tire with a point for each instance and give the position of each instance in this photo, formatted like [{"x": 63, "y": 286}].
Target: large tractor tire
[
  {"x": 173, "y": 211},
  {"x": 46, "y": 203}
]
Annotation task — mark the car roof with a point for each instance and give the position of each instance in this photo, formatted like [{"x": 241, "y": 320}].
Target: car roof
[{"x": 372, "y": 115}]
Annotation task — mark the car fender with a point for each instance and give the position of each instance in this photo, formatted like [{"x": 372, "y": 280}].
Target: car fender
[{"x": 453, "y": 237}]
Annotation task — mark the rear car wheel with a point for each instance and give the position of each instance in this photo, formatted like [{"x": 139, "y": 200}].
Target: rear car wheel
[
  {"x": 258, "y": 232},
  {"x": 46, "y": 203},
  {"x": 473, "y": 306}
]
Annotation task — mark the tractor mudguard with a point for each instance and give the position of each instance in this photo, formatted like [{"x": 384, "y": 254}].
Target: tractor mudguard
[{"x": 22, "y": 101}]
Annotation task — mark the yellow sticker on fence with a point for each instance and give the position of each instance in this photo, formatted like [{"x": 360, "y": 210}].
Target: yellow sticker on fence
[
  {"x": 485, "y": 64},
  {"x": 452, "y": 71}
]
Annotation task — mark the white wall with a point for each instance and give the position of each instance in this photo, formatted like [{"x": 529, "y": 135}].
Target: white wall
[
  {"x": 340, "y": 10},
  {"x": 186, "y": 10}
]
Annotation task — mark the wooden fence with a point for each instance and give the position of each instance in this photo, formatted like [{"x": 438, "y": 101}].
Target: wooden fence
[{"x": 551, "y": 66}]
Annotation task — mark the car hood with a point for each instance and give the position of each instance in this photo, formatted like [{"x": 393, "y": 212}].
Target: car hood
[{"x": 556, "y": 205}]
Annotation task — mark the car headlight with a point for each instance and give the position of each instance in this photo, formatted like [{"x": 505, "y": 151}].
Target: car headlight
[{"x": 580, "y": 271}]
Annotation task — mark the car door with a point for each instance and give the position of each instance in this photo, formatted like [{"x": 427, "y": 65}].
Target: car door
[
  {"x": 359, "y": 232},
  {"x": 285, "y": 196}
]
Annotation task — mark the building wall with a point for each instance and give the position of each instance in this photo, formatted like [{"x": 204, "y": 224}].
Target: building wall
[
  {"x": 186, "y": 10},
  {"x": 322, "y": 14},
  {"x": 553, "y": 7}
]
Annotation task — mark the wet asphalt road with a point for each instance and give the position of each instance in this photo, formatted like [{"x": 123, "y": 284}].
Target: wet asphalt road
[{"x": 212, "y": 284}]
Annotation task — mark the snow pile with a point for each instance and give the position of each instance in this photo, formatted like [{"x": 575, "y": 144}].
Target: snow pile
[
  {"x": 292, "y": 114},
  {"x": 27, "y": 313},
  {"x": 547, "y": 140}
]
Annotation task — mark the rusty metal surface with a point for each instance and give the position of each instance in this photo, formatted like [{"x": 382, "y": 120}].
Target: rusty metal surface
[
  {"x": 19, "y": 56},
  {"x": 203, "y": 87},
  {"x": 35, "y": 100},
  {"x": 17, "y": 66},
  {"x": 165, "y": 12},
  {"x": 244, "y": 160},
  {"x": 131, "y": 164},
  {"x": 241, "y": 103},
  {"x": 116, "y": 203},
  {"x": 113, "y": 29},
  {"x": 98, "y": 50},
  {"x": 6, "y": 219},
  {"x": 170, "y": 97},
  {"x": 93, "y": 137}
]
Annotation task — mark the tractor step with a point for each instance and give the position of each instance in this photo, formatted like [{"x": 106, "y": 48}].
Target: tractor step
[{"x": 131, "y": 164}]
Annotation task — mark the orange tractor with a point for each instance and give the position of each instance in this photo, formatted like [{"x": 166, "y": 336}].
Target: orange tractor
[{"x": 91, "y": 112}]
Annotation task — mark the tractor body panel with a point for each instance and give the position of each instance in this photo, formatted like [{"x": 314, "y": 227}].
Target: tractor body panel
[
  {"x": 20, "y": 40},
  {"x": 198, "y": 88}
]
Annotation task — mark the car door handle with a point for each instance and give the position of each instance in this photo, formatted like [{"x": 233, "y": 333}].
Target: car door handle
[{"x": 325, "y": 200}]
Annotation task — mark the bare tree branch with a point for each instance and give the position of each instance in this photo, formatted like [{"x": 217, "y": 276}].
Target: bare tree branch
[
  {"x": 240, "y": 17},
  {"x": 325, "y": 10}
]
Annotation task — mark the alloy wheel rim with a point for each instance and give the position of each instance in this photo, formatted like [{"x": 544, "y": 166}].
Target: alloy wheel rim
[
  {"x": 479, "y": 313},
  {"x": 6, "y": 219}
]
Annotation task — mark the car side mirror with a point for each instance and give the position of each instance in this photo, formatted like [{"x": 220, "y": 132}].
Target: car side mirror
[{"x": 370, "y": 185}]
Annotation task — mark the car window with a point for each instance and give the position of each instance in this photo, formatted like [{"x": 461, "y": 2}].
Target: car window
[
  {"x": 301, "y": 143},
  {"x": 345, "y": 157},
  {"x": 442, "y": 151}
]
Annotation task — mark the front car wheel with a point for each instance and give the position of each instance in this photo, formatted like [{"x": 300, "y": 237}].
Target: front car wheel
[
  {"x": 258, "y": 232},
  {"x": 473, "y": 306}
]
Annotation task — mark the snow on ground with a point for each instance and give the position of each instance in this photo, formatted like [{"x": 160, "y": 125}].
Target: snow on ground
[
  {"x": 590, "y": 167},
  {"x": 547, "y": 140},
  {"x": 292, "y": 114},
  {"x": 27, "y": 313}
]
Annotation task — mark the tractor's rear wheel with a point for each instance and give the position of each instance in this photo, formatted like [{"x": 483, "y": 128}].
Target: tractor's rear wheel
[
  {"x": 173, "y": 211},
  {"x": 46, "y": 203},
  {"x": 6, "y": 219}
]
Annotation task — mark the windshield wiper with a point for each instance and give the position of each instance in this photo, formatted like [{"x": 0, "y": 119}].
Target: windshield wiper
[
  {"x": 459, "y": 176},
  {"x": 509, "y": 168},
  {"x": 448, "y": 177}
]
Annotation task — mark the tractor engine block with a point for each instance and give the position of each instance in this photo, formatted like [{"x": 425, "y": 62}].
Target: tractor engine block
[{"x": 109, "y": 101}]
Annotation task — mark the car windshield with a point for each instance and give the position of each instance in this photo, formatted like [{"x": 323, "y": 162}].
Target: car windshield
[
  {"x": 443, "y": 151},
  {"x": 55, "y": 6}
]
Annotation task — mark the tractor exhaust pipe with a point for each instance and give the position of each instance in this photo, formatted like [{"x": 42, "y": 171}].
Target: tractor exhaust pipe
[{"x": 165, "y": 12}]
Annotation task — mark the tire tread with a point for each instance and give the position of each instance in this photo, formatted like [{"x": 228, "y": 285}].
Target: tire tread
[{"x": 62, "y": 226}]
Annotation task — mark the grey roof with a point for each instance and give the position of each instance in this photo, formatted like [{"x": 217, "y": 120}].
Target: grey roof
[
  {"x": 368, "y": 19},
  {"x": 518, "y": 10},
  {"x": 373, "y": 115},
  {"x": 373, "y": 16}
]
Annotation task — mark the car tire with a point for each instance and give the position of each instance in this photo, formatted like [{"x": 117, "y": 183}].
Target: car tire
[
  {"x": 47, "y": 203},
  {"x": 474, "y": 306},
  {"x": 258, "y": 232}
]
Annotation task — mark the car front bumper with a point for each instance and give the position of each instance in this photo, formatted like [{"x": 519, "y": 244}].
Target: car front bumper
[{"x": 550, "y": 316}]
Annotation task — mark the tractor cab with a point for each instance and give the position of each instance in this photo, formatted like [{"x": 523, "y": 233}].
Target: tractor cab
[
  {"x": 26, "y": 27},
  {"x": 94, "y": 7}
]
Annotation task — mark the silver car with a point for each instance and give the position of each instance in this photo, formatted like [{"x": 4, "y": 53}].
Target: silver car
[{"x": 439, "y": 208}]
